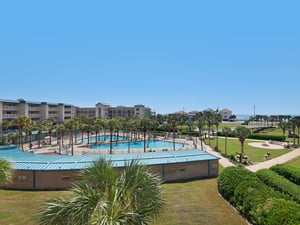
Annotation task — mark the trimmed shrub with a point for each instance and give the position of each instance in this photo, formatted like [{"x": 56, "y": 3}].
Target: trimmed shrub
[
  {"x": 278, "y": 212},
  {"x": 279, "y": 183},
  {"x": 289, "y": 172},
  {"x": 230, "y": 178},
  {"x": 266, "y": 137}
]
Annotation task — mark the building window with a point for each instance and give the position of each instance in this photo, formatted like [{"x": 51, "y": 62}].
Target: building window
[
  {"x": 66, "y": 178},
  {"x": 22, "y": 178}
]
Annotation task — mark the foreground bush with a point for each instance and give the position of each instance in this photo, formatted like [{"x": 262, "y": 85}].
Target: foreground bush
[
  {"x": 289, "y": 172},
  {"x": 230, "y": 178},
  {"x": 279, "y": 183},
  {"x": 278, "y": 212},
  {"x": 249, "y": 194}
]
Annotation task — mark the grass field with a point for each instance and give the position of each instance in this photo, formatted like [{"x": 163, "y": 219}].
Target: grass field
[
  {"x": 294, "y": 162},
  {"x": 190, "y": 203},
  {"x": 254, "y": 154}
]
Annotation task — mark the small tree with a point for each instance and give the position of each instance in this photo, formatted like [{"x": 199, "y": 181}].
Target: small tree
[
  {"x": 5, "y": 171},
  {"x": 242, "y": 133},
  {"x": 226, "y": 131},
  {"x": 104, "y": 196}
]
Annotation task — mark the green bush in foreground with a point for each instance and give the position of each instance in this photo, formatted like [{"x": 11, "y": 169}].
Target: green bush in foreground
[
  {"x": 289, "y": 172},
  {"x": 250, "y": 195},
  {"x": 278, "y": 212},
  {"x": 256, "y": 200},
  {"x": 279, "y": 183},
  {"x": 230, "y": 178}
]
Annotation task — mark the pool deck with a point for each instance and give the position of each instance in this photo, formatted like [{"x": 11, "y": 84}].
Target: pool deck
[{"x": 83, "y": 148}]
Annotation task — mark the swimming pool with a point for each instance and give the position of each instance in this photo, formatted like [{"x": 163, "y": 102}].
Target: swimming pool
[
  {"x": 140, "y": 144},
  {"x": 104, "y": 138}
]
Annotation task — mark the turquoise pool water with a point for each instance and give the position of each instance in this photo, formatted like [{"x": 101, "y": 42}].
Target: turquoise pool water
[{"x": 140, "y": 144}]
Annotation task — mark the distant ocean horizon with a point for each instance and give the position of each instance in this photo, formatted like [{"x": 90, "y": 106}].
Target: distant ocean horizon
[
  {"x": 247, "y": 116},
  {"x": 243, "y": 116}
]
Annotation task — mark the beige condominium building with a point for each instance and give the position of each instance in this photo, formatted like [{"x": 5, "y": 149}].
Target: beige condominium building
[
  {"x": 40, "y": 111},
  {"x": 107, "y": 111},
  {"x": 37, "y": 111}
]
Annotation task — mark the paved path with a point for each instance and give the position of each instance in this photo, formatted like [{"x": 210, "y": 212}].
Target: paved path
[
  {"x": 262, "y": 165},
  {"x": 223, "y": 161},
  {"x": 278, "y": 160}
]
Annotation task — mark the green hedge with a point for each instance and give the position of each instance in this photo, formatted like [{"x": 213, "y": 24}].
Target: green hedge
[
  {"x": 230, "y": 178},
  {"x": 279, "y": 183},
  {"x": 289, "y": 172},
  {"x": 251, "y": 194},
  {"x": 257, "y": 201},
  {"x": 278, "y": 212},
  {"x": 266, "y": 137}
]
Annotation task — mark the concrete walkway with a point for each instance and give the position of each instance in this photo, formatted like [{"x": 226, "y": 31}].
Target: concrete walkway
[
  {"x": 225, "y": 162},
  {"x": 278, "y": 160}
]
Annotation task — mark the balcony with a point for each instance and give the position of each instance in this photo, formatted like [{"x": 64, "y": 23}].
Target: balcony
[
  {"x": 12, "y": 108},
  {"x": 9, "y": 116},
  {"x": 34, "y": 115}
]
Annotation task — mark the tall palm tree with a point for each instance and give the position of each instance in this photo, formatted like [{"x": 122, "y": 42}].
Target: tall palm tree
[
  {"x": 208, "y": 118},
  {"x": 49, "y": 126},
  {"x": 283, "y": 125},
  {"x": 21, "y": 122},
  {"x": 106, "y": 197},
  {"x": 242, "y": 133},
  {"x": 145, "y": 124},
  {"x": 111, "y": 124},
  {"x": 200, "y": 125},
  {"x": 40, "y": 128},
  {"x": 217, "y": 119},
  {"x": 296, "y": 122},
  {"x": 4, "y": 126},
  {"x": 6, "y": 171},
  {"x": 226, "y": 131}
]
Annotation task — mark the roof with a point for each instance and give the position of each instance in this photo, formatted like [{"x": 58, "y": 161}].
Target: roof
[
  {"x": 20, "y": 100},
  {"x": 225, "y": 110},
  {"x": 31, "y": 161}
]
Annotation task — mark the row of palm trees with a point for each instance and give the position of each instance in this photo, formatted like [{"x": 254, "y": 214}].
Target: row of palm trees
[
  {"x": 265, "y": 120},
  {"x": 131, "y": 127}
]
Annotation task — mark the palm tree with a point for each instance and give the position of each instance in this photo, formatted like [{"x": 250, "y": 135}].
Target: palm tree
[
  {"x": 217, "y": 119},
  {"x": 3, "y": 127},
  {"x": 49, "y": 125},
  {"x": 145, "y": 124},
  {"x": 40, "y": 128},
  {"x": 200, "y": 125},
  {"x": 226, "y": 131},
  {"x": 111, "y": 124},
  {"x": 6, "y": 171},
  {"x": 107, "y": 197},
  {"x": 208, "y": 118},
  {"x": 60, "y": 130},
  {"x": 242, "y": 133},
  {"x": 21, "y": 122},
  {"x": 284, "y": 126}
]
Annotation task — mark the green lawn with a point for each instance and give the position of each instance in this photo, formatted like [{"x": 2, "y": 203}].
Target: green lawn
[
  {"x": 193, "y": 202},
  {"x": 254, "y": 154},
  {"x": 197, "y": 202},
  {"x": 18, "y": 207},
  {"x": 294, "y": 162}
]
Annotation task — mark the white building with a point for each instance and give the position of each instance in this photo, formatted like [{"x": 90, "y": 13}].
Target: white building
[
  {"x": 107, "y": 111},
  {"x": 225, "y": 113},
  {"x": 37, "y": 111}
]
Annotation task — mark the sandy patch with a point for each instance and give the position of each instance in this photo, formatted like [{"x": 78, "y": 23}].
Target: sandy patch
[{"x": 265, "y": 145}]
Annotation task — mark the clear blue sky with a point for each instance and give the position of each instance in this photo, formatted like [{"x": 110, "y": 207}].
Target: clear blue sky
[{"x": 167, "y": 55}]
